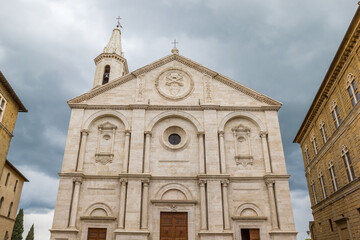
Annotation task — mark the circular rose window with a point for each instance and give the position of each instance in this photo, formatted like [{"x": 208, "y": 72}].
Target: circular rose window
[{"x": 174, "y": 139}]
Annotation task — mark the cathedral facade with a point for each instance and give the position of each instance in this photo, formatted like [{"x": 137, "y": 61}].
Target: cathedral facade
[{"x": 172, "y": 150}]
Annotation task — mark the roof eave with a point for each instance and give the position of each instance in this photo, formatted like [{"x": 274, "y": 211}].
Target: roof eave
[{"x": 11, "y": 91}]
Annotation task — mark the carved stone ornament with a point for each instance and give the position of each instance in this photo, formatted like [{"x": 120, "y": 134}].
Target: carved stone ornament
[
  {"x": 244, "y": 161},
  {"x": 104, "y": 158},
  {"x": 174, "y": 84},
  {"x": 77, "y": 180},
  {"x": 173, "y": 208}
]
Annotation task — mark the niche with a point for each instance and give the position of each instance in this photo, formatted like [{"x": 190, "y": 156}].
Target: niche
[
  {"x": 242, "y": 145},
  {"x": 105, "y": 143}
]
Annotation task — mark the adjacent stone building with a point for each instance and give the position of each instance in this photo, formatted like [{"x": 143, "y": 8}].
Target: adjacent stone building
[
  {"x": 172, "y": 150},
  {"x": 11, "y": 180},
  {"x": 330, "y": 141}
]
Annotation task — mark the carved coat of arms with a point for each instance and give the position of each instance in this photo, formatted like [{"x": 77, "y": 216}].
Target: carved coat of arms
[{"x": 174, "y": 84}]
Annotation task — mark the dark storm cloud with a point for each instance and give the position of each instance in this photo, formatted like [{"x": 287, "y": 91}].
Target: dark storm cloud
[{"x": 279, "y": 48}]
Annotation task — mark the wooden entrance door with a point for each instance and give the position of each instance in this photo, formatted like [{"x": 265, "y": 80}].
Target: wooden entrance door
[
  {"x": 96, "y": 234},
  {"x": 250, "y": 234},
  {"x": 173, "y": 226}
]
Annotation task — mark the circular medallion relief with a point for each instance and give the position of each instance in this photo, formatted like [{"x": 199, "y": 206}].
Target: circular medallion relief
[{"x": 174, "y": 84}]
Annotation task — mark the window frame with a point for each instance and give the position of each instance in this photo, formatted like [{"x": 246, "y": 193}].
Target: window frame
[
  {"x": 314, "y": 191},
  {"x": 352, "y": 89},
  {"x": 2, "y": 108},
  {"x": 322, "y": 184},
  {"x": 307, "y": 154},
  {"x": 313, "y": 141},
  {"x": 345, "y": 154},
  {"x": 333, "y": 176},
  {"x": 335, "y": 114},
  {"x": 7, "y": 179},
  {"x": 323, "y": 132}
]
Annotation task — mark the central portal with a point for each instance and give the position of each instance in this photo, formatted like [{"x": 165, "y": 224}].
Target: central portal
[{"x": 173, "y": 226}]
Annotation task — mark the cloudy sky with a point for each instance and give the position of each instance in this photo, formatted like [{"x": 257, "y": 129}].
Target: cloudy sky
[{"x": 280, "y": 48}]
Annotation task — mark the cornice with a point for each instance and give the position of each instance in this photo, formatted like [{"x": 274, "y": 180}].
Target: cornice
[
  {"x": 173, "y": 107},
  {"x": 2, "y": 126},
  {"x": 343, "y": 53},
  {"x": 336, "y": 196},
  {"x": 277, "y": 177},
  {"x": 96, "y": 91}
]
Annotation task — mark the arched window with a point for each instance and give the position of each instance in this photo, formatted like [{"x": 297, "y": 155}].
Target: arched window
[
  {"x": 333, "y": 176},
  {"x": 314, "y": 191},
  {"x": 313, "y": 140},
  {"x": 7, "y": 179},
  {"x": 1, "y": 201},
  {"x": 106, "y": 74},
  {"x": 335, "y": 114},
  {"x": 322, "y": 184},
  {"x": 11, "y": 204},
  {"x": 15, "y": 185},
  {"x": 323, "y": 131},
  {"x": 347, "y": 161},
  {"x": 352, "y": 89},
  {"x": 307, "y": 155},
  {"x": 6, "y": 235}
]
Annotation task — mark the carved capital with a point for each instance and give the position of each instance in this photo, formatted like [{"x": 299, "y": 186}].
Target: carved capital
[
  {"x": 145, "y": 182},
  {"x": 84, "y": 132},
  {"x": 269, "y": 182},
  {"x": 225, "y": 183},
  {"x": 127, "y": 132},
  {"x": 263, "y": 134},
  {"x": 148, "y": 133},
  {"x": 200, "y": 134},
  {"x": 123, "y": 180},
  {"x": 202, "y": 182},
  {"x": 77, "y": 180},
  {"x": 221, "y": 133}
]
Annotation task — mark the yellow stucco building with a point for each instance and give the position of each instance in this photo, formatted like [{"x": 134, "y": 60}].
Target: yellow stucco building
[
  {"x": 11, "y": 179},
  {"x": 330, "y": 141}
]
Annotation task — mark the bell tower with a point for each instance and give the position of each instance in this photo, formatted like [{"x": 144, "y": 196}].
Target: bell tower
[{"x": 110, "y": 64}]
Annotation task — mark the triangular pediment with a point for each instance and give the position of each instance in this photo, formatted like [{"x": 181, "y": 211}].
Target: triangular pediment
[{"x": 236, "y": 86}]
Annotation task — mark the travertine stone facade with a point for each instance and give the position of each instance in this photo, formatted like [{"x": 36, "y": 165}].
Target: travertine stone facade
[
  {"x": 332, "y": 165},
  {"x": 10, "y": 105},
  {"x": 172, "y": 136}
]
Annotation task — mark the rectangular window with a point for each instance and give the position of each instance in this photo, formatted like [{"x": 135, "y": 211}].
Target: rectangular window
[
  {"x": 2, "y": 106},
  {"x": 337, "y": 114},
  {"x": 331, "y": 226}
]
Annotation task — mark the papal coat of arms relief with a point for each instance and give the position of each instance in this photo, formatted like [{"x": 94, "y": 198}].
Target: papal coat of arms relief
[{"x": 174, "y": 84}]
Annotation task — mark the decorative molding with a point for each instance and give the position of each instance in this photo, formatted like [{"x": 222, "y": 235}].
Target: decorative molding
[
  {"x": 97, "y": 218},
  {"x": 78, "y": 180},
  {"x": 200, "y": 107},
  {"x": 249, "y": 218},
  {"x": 227, "y": 81}
]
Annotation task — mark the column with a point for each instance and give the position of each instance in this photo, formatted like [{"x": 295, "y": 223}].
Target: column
[
  {"x": 201, "y": 152},
  {"x": 84, "y": 134},
  {"x": 225, "y": 184},
  {"x": 265, "y": 152},
  {"x": 126, "y": 151},
  {"x": 147, "y": 152},
  {"x": 75, "y": 201},
  {"x": 222, "y": 152},
  {"x": 203, "y": 204},
  {"x": 270, "y": 187},
  {"x": 123, "y": 182},
  {"x": 145, "y": 203}
]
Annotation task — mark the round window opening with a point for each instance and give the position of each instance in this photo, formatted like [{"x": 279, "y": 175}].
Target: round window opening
[{"x": 174, "y": 139}]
